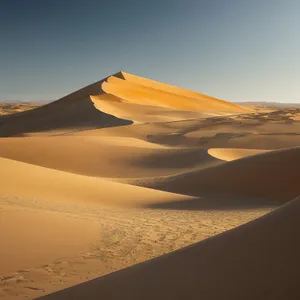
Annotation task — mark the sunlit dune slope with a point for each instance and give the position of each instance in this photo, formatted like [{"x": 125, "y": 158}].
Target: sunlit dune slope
[
  {"x": 163, "y": 94},
  {"x": 273, "y": 175},
  {"x": 229, "y": 154},
  {"x": 140, "y": 113},
  {"x": 138, "y": 90},
  {"x": 27, "y": 181},
  {"x": 258, "y": 260},
  {"x": 103, "y": 156}
]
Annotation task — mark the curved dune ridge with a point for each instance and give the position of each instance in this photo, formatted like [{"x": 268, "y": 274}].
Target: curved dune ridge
[
  {"x": 271, "y": 175},
  {"x": 229, "y": 154},
  {"x": 254, "y": 261},
  {"x": 52, "y": 185},
  {"x": 120, "y": 94}
]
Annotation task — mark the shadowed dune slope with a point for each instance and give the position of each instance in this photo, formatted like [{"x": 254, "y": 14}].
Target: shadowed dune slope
[
  {"x": 42, "y": 184},
  {"x": 73, "y": 112},
  {"x": 258, "y": 260},
  {"x": 103, "y": 156},
  {"x": 272, "y": 175}
]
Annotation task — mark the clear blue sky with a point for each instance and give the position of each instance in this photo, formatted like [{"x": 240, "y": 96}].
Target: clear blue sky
[{"x": 237, "y": 50}]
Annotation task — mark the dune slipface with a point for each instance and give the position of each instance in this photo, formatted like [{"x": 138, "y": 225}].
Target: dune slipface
[{"x": 258, "y": 260}]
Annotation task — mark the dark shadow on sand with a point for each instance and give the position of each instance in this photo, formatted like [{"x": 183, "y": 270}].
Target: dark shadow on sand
[{"x": 216, "y": 203}]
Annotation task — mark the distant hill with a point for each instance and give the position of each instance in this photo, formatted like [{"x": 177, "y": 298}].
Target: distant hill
[{"x": 12, "y": 108}]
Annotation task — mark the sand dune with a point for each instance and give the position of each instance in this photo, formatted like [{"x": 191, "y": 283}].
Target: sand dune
[
  {"x": 34, "y": 182},
  {"x": 258, "y": 260},
  {"x": 103, "y": 156},
  {"x": 76, "y": 111},
  {"x": 264, "y": 131},
  {"x": 272, "y": 175},
  {"x": 141, "y": 113}
]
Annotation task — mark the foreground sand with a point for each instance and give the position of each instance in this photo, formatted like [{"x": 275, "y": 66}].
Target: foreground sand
[
  {"x": 128, "y": 169},
  {"x": 263, "y": 255},
  {"x": 100, "y": 240}
]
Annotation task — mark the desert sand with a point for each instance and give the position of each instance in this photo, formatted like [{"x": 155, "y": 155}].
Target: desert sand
[
  {"x": 191, "y": 196},
  {"x": 12, "y": 108},
  {"x": 262, "y": 254}
]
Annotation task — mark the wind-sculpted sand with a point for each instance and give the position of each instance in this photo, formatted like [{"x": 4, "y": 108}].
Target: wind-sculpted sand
[
  {"x": 272, "y": 175},
  {"x": 229, "y": 154},
  {"x": 128, "y": 170},
  {"x": 262, "y": 254}
]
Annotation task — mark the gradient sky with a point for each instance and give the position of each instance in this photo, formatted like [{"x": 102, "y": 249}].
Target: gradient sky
[{"x": 237, "y": 50}]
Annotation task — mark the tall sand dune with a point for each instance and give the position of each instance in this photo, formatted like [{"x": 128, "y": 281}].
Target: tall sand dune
[
  {"x": 258, "y": 260},
  {"x": 272, "y": 175},
  {"x": 77, "y": 111}
]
